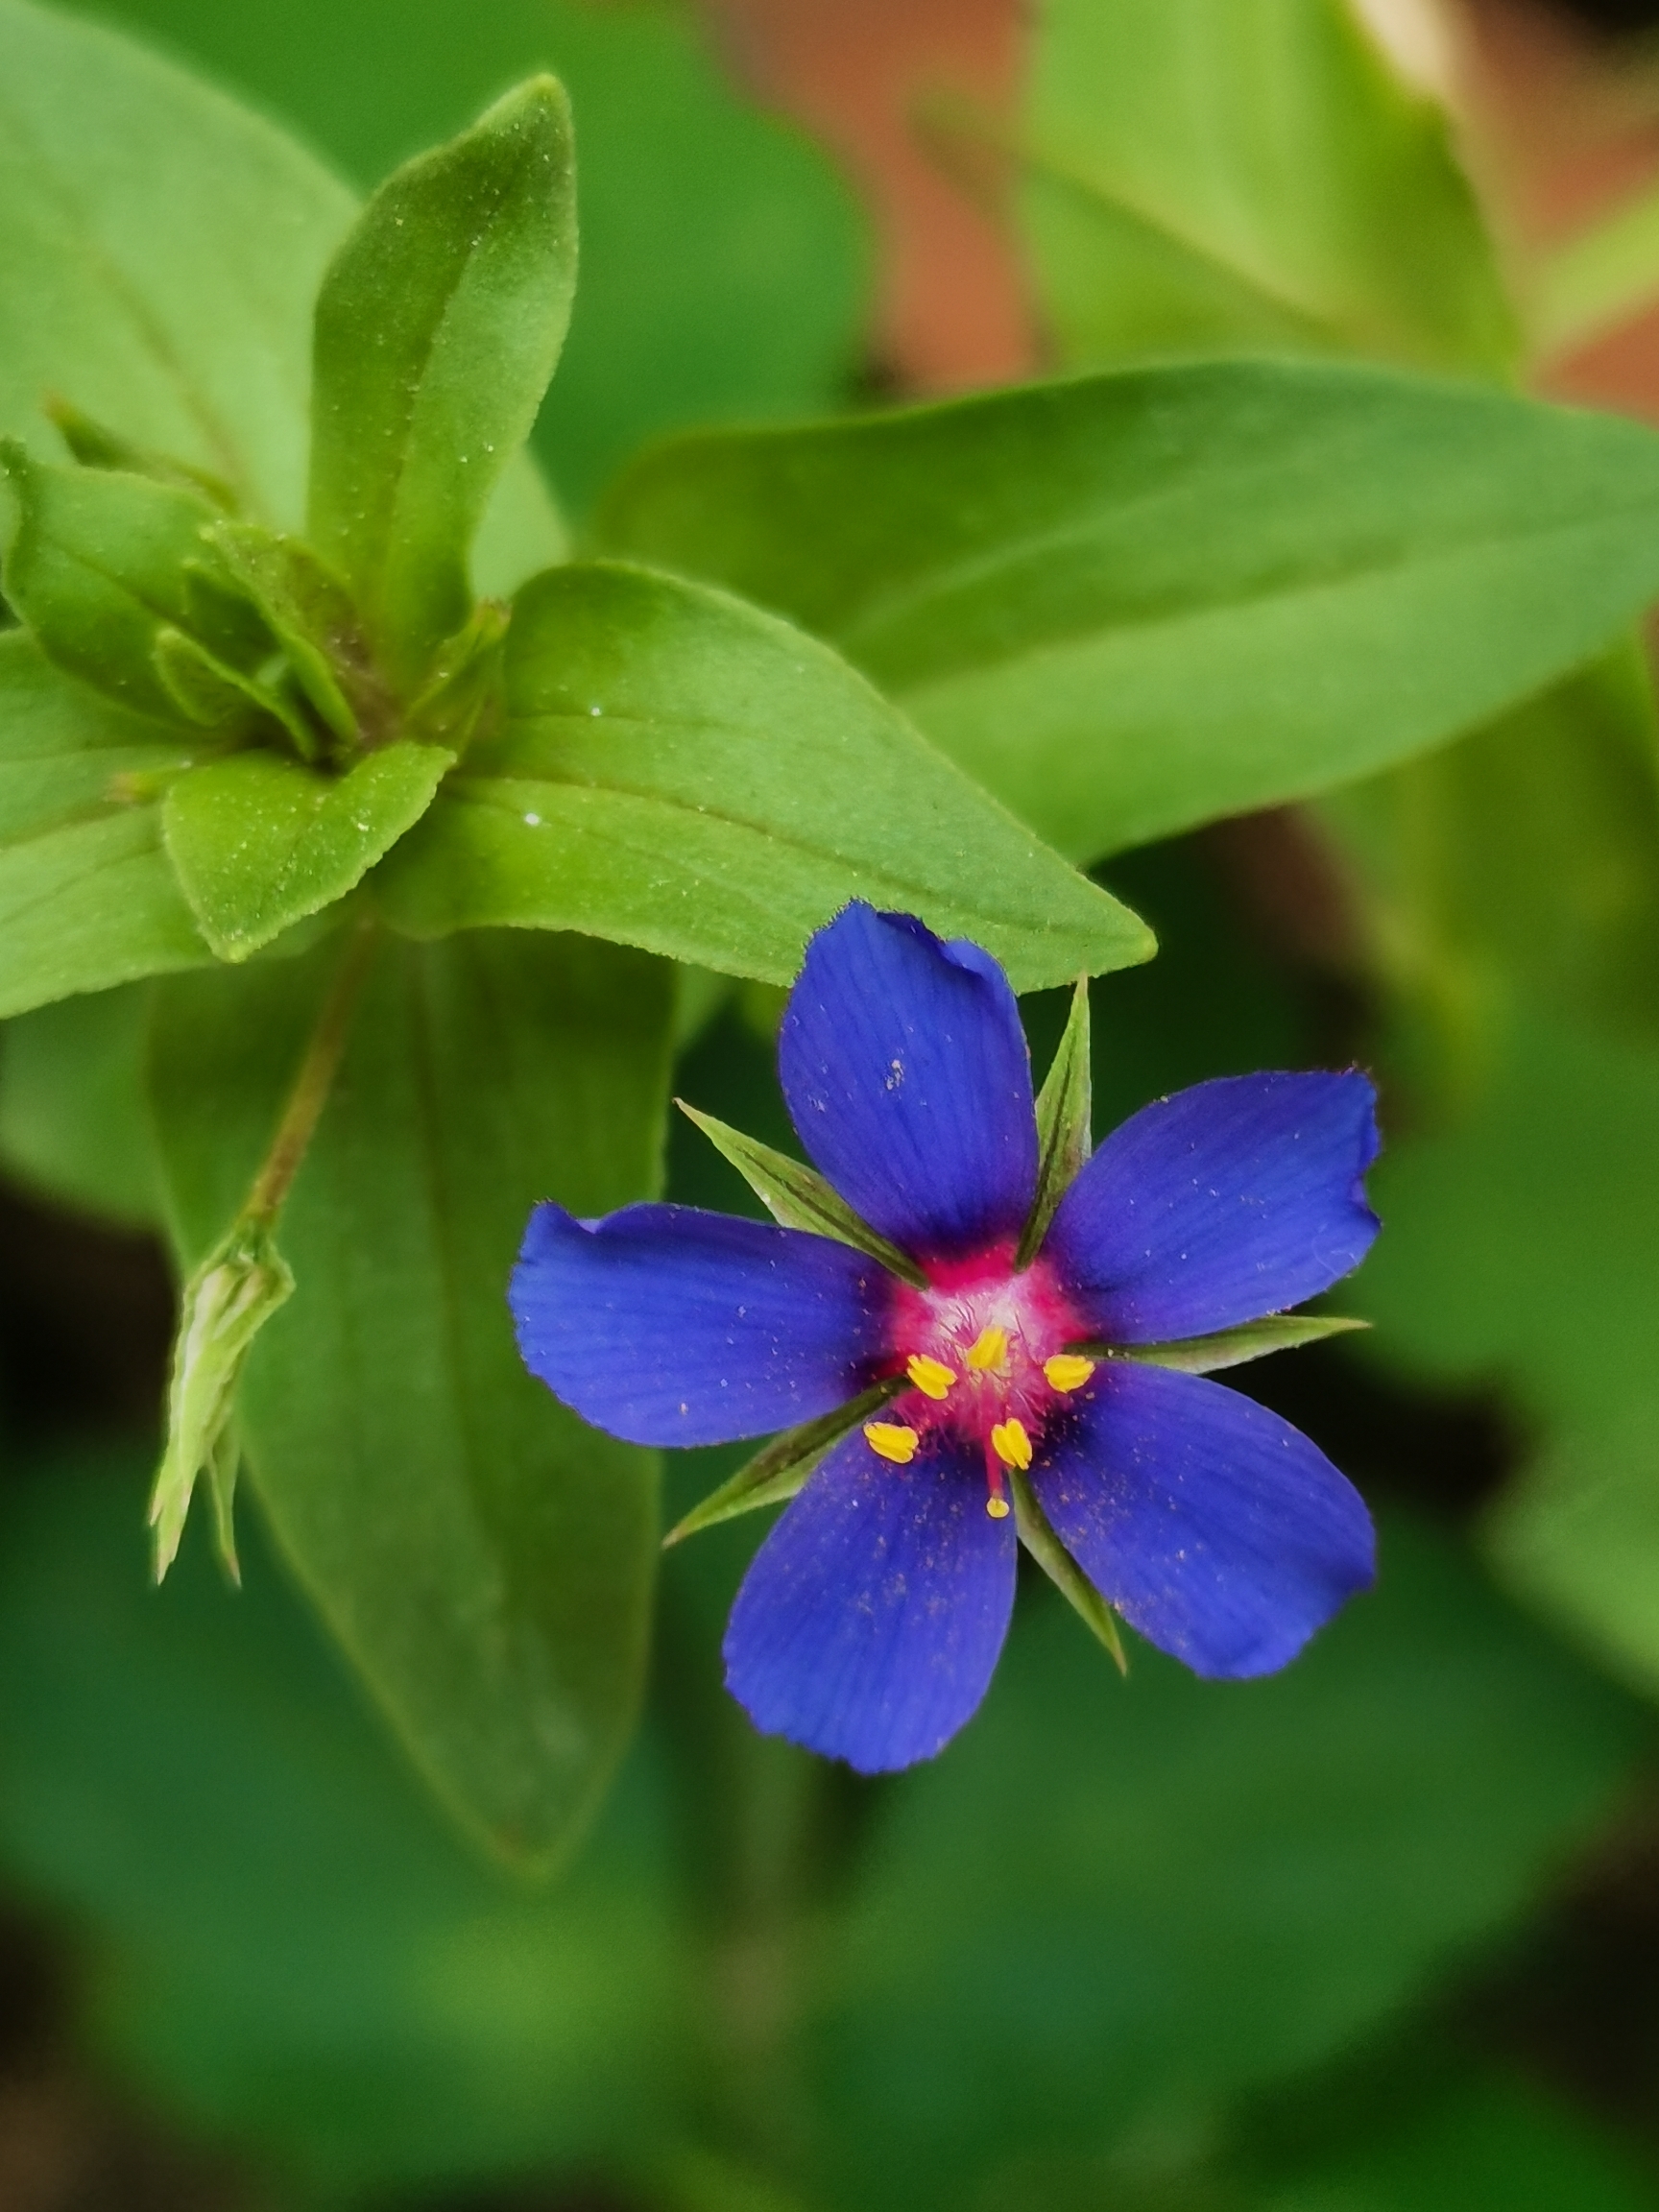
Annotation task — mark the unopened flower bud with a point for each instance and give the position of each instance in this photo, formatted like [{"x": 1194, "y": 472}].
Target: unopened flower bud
[{"x": 225, "y": 1304}]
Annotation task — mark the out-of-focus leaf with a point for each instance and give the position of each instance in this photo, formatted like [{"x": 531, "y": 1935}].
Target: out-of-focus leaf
[
  {"x": 1522, "y": 859},
  {"x": 1520, "y": 1252},
  {"x": 1601, "y": 277},
  {"x": 87, "y": 896},
  {"x": 73, "y": 1120},
  {"x": 1208, "y": 174},
  {"x": 724, "y": 264},
  {"x": 160, "y": 252},
  {"x": 679, "y": 771},
  {"x": 1433, "y": 2128},
  {"x": 1520, "y": 1237},
  {"x": 288, "y": 1950},
  {"x": 1178, "y": 593},
  {"x": 1114, "y": 1906},
  {"x": 1578, "y": 1536},
  {"x": 484, "y": 1559},
  {"x": 259, "y": 842},
  {"x": 437, "y": 325}
]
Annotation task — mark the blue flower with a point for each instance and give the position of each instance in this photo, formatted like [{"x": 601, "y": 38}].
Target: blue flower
[{"x": 872, "y": 1617}]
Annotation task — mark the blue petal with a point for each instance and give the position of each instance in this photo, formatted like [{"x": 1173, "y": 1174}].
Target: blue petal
[
  {"x": 1231, "y": 1200},
  {"x": 670, "y": 1326},
  {"x": 1214, "y": 1527},
  {"x": 869, "y": 1623},
  {"x": 909, "y": 1077}
]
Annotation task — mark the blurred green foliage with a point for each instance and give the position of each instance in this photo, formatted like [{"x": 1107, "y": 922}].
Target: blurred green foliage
[
  {"x": 1110, "y": 1915},
  {"x": 724, "y": 265}
]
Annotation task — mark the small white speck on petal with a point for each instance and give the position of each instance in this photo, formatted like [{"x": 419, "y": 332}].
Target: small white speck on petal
[{"x": 533, "y": 821}]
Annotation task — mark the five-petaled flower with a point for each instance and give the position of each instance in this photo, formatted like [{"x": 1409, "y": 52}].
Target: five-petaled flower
[{"x": 873, "y": 1614}]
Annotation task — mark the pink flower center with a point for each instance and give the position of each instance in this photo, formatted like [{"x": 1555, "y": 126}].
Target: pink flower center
[{"x": 985, "y": 1353}]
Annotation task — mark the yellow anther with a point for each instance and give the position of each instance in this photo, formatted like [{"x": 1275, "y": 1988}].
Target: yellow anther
[
  {"x": 997, "y": 1508},
  {"x": 988, "y": 1350},
  {"x": 931, "y": 1377},
  {"x": 891, "y": 1441},
  {"x": 1067, "y": 1371},
  {"x": 1011, "y": 1444}
]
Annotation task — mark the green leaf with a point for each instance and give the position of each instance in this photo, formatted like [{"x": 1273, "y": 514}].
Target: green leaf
[
  {"x": 87, "y": 896},
  {"x": 797, "y": 1196},
  {"x": 1224, "y": 1883},
  {"x": 438, "y": 327},
  {"x": 101, "y": 565},
  {"x": 95, "y": 446},
  {"x": 72, "y": 1122},
  {"x": 162, "y": 251},
  {"x": 680, "y": 771},
  {"x": 1114, "y": 633},
  {"x": 1037, "y": 1536},
  {"x": 1211, "y": 174},
  {"x": 781, "y": 1468},
  {"x": 1065, "y": 1123},
  {"x": 757, "y": 311},
  {"x": 484, "y": 1559},
  {"x": 1233, "y": 1347},
  {"x": 318, "y": 1973},
  {"x": 259, "y": 841}
]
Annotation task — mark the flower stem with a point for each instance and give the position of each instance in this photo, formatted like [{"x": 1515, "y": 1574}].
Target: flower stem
[{"x": 324, "y": 1053}]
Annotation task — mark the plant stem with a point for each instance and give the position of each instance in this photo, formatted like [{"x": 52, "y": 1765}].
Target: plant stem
[{"x": 313, "y": 1083}]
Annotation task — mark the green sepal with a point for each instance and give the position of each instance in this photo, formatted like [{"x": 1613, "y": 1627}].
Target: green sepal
[
  {"x": 463, "y": 695},
  {"x": 1064, "y": 1124},
  {"x": 438, "y": 327},
  {"x": 1037, "y": 1536},
  {"x": 1232, "y": 1347},
  {"x": 259, "y": 841},
  {"x": 95, "y": 446},
  {"x": 226, "y": 1302},
  {"x": 100, "y": 563},
  {"x": 206, "y": 690},
  {"x": 224, "y": 1466},
  {"x": 781, "y": 1468},
  {"x": 798, "y": 1197},
  {"x": 309, "y": 613}
]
